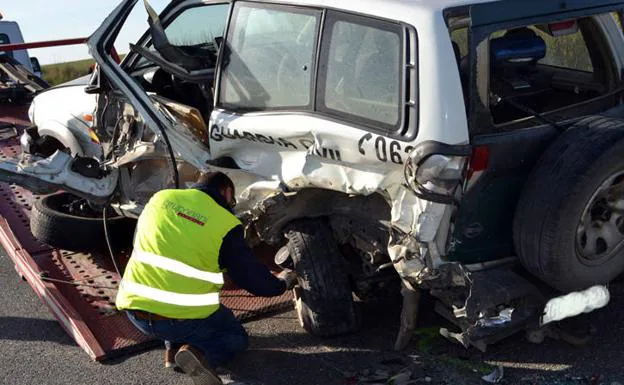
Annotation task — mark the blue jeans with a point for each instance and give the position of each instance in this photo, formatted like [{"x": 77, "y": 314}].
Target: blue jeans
[{"x": 219, "y": 337}]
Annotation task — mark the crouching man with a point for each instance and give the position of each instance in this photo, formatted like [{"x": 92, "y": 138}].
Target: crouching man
[{"x": 184, "y": 240}]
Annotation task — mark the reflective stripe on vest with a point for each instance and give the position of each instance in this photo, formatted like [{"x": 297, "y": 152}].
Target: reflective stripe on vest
[
  {"x": 176, "y": 266},
  {"x": 169, "y": 297}
]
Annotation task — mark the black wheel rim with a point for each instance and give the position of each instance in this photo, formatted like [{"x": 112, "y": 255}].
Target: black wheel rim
[{"x": 600, "y": 232}]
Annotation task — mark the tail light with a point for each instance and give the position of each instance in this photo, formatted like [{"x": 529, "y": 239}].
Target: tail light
[{"x": 479, "y": 160}]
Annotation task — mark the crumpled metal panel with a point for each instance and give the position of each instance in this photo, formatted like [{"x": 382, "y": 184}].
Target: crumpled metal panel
[{"x": 415, "y": 222}]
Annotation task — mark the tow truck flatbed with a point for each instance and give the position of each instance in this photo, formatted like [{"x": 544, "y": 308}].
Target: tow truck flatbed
[{"x": 79, "y": 289}]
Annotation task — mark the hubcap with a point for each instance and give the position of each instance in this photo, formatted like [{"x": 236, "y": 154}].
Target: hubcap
[{"x": 601, "y": 229}]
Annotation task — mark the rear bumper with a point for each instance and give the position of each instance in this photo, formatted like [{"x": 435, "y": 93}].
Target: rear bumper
[{"x": 505, "y": 300}]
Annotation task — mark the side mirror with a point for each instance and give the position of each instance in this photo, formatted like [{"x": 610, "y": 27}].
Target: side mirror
[{"x": 35, "y": 64}]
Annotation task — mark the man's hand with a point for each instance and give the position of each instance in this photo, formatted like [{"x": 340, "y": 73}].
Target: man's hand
[{"x": 289, "y": 277}]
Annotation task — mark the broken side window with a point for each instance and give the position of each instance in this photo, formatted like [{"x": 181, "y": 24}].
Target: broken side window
[{"x": 546, "y": 67}]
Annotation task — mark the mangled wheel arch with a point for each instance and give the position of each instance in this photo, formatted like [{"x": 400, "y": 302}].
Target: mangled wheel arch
[
  {"x": 62, "y": 134},
  {"x": 272, "y": 215}
]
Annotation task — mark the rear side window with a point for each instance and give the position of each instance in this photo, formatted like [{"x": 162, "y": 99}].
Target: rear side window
[
  {"x": 271, "y": 57},
  {"x": 363, "y": 78},
  {"x": 270, "y": 62},
  {"x": 545, "y": 68},
  {"x": 4, "y": 39},
  {"x": 567, "y": 51}
]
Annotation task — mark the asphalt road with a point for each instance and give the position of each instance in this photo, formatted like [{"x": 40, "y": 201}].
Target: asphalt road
[{"x": 36, "y": 350}]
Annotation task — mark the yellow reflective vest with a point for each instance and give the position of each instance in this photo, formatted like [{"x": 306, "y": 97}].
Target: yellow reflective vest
[{"x": 174, "y": 268}]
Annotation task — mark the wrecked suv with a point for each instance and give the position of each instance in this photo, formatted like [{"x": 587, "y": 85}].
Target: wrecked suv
[{"x": 473, "y": 149}]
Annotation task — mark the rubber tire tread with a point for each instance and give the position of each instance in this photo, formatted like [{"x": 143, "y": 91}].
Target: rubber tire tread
[
  {"x": 554, "y": 197},
  {"x": 69, "y": 232},
  {"x": 327, "y": 306}
]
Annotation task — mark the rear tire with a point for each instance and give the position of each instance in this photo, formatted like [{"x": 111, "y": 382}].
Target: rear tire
[
  {"x": 324, "y": 301},
  {"x": 53, "y": 224},
  {"x": 559, "y": 219}
]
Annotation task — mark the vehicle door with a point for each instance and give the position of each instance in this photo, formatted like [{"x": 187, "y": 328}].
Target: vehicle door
[
  {"x": 187, "y": 22},
  {"x": 318, "y": 98},
  {"x": 564, "y": 66},
  {"x": 186, "y": 32}
]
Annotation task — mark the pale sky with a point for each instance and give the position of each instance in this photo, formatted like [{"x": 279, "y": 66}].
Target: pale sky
[{"x": 64, "y": 19}]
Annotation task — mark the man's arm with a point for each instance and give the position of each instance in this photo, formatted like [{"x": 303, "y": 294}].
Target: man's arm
[{"x": 245, "y": 269}]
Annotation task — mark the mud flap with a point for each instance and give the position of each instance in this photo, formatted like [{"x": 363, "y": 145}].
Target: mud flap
[{"x": 47, "y": 175}]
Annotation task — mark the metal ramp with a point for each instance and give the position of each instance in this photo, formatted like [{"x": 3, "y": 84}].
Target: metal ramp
[{"x": 79, "y": 289}]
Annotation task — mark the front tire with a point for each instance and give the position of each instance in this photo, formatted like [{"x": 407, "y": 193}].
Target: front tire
[
  {"x": 54, "y": 223},
  {"x": 324, "y": 302}
]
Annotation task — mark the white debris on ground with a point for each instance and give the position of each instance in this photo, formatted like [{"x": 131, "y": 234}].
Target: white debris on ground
[
  {"x": 575, "y": 303},
  {"x": 495, "y": 377}
]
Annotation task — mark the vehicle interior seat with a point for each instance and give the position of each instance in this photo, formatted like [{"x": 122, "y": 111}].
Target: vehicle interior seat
[
  {"x": 513, "y": 71},
  {"x": 516, "y": 53},
  {"x": 191, "y": 94},
  {"x": 162, "y": 84}
]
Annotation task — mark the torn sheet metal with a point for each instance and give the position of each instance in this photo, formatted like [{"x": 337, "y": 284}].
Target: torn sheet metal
[
  {"x": 156, "y": 116},
  {"x": 46, "y": 175},
  {"x": 502, "y": 319},
  {"x": 417, "y": 222}
]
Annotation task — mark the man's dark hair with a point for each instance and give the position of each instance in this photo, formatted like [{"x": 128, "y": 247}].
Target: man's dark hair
[{"x": 217, "y": 180}]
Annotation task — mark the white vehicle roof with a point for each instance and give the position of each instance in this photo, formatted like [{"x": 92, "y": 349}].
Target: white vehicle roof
[{"x": 390, "y": 9}]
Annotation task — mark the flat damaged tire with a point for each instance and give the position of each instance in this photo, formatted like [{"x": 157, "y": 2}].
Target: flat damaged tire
[
  {"x": 569, "y": 223},
  {"x": 53, "y": 225},
  {"x": 323, "y": 298}
]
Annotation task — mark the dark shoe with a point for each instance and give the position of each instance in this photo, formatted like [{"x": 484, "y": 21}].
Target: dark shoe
[
  {"x": 170, "y": 358},
  {"x": 193, "y": 363}
]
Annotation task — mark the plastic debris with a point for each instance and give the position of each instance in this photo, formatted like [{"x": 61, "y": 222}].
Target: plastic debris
[
  {"x": 455, "y": 337},
  {"x": 495, "y": 377},
  {"x": 575, "y": 303},
  {"x": 401, "y": 378},
  {"x": 596, "y": 379},
  {"x": 503, "y": 318}
]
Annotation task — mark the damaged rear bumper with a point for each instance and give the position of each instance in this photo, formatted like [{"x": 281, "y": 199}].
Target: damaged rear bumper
[{"x": 502, "y": 301}]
